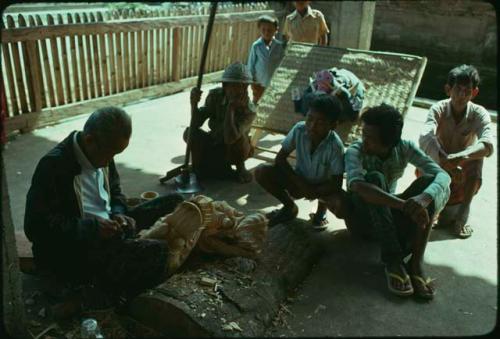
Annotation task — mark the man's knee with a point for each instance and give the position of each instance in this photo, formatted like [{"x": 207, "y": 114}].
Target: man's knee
[
  {"x": 239, "y": 151},
  {"x": 263, "y": 173},
  {"x": 376, "y": 178},
  {"x": 338, "y": 204}
]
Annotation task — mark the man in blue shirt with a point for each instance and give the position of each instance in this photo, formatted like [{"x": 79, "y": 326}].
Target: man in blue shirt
[
  {"x": 401, "y": 223},
  {"x": 319, "y": 162},
  {"x": 265, "y": 55}
]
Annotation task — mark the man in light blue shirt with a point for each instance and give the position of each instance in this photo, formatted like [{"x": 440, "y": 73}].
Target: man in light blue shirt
[
  {"x": 401, "y": 223},
  {"x": 264, "y": 56},
  {"x": 319, "y": 163}
]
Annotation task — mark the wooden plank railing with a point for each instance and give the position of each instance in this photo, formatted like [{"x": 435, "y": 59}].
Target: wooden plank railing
[{"x": 87, "y": 61}]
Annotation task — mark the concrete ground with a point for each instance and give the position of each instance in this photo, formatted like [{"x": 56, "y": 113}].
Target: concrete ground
[{"x": 345, "y": 293}]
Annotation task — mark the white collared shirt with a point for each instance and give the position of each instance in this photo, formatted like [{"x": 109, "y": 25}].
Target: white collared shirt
[
  {"x": 442, "y": 133},
  {"x": 95, "y": 198}
]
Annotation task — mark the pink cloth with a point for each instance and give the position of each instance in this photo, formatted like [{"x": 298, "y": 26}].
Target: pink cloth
[{"x": 324, "y": 81}]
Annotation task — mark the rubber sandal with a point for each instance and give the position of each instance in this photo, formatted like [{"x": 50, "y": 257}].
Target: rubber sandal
[
  {"x": 318, "y": 225},
  {"x": 423, "y": 287},
  {"x": 392, "y": 275},
  {"x": 465, "y": 232}
]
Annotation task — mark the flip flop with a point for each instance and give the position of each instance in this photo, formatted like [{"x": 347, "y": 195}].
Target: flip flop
[
  {"x": 464, "y": 232},
  {"x": 404, "y": 281},
  {"x": 320, "y": 224},
  {"x": 423, "y": 287},
  {"x": 280, "y": 216}
]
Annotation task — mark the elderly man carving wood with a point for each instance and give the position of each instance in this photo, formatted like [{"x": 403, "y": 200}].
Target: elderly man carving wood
[{"x": 76, "y": 217}]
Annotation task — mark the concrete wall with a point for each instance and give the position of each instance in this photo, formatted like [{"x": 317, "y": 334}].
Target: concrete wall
[{"x": 448, "y": 33}]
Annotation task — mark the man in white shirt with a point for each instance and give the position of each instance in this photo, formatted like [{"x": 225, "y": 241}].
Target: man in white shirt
[{"x": 458, "y": 135}]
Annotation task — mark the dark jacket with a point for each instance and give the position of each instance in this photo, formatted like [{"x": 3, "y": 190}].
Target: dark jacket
[{"x": 53, "y": 218}]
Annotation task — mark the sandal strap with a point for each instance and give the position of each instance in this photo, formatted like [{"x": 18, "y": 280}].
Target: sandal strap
[
  {"x": 398, "y": 277},
  {"x": 423, "y": 281}
]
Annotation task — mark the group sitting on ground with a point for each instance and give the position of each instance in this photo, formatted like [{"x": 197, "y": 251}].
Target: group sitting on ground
[{"x": 83, "y": 232}]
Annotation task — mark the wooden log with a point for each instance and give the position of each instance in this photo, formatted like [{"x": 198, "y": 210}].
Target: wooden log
[
  {"x": 10, "y": 78},
  {"x": 184, "y": 306}
]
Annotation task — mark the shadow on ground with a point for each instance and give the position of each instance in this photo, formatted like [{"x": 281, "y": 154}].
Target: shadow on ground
[{"x": 352, "y": 298}]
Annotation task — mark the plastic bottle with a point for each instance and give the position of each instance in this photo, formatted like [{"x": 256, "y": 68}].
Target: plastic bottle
[{"x": 90, "y": 329}]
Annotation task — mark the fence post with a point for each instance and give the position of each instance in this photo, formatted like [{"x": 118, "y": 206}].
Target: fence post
[
  {"x": 10, "y": 78},
  {"x": 29, "y": 51},
  {"x": 176, "y": 53},
  {"x": 36, "y": 73}
]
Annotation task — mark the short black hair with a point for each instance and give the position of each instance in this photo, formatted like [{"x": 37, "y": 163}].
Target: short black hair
[
  {"x": 389, "y": 121},
  {"x": 108, "y": 123},
  {"x": 463, "y": 75},
  {"x": 268, "y": 20},
  {"x": 328, "y": 105}
]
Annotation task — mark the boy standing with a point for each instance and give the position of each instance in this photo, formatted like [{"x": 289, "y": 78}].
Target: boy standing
[
  {"x": 401, "y": 223},
  {"x": 458, "y": 135},
  {"x": 265, "y": 55},
  {"x": 230, "y": 115},
  {"x": 305, "y": 25},
  {"x": 319, "y": 163}
]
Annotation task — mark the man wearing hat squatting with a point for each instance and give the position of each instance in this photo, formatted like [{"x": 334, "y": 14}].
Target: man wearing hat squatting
[{"x": 230, "y": 115}]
